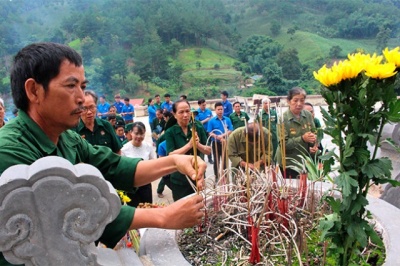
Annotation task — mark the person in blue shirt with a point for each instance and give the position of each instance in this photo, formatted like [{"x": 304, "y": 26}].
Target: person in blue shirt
[
  {"x": 165, "y": 180},
  {"x": 151, "y": 110},
  {"x": 167, "y": 105},
  {"x": 128, "y": 111},
  {"x": 204, "y": 115},
  {"x": 102, "y": 107},
  {"x": 118, "y": 104},
  {"x": 227, "y": 105},
  {"x": 219, "y": 127}
]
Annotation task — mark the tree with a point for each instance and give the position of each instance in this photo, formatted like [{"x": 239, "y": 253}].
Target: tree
[
  {"x": 198, "y": 52},
  {"x": 382, "y": 38},
  {"x": 335, "y": 51},
  {"x": 275, "y": 28},
  {"x": 174, "y": 47},
  {"x": 289, "y": 62}
]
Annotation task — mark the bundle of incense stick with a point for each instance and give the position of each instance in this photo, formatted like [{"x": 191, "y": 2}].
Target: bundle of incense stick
[{"x": 196, "y": 167}]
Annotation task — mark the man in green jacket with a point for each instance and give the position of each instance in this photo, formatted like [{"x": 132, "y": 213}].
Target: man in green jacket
[
  {"x": 48, "y": 84},
  {"x": 257, "y": 153},
  {"x": 238, "y": 117},
  {"x": 269, "y": 120}
]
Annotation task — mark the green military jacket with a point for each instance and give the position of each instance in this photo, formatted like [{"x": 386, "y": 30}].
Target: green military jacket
[
  {"x": 294, "y": 129},
  {"x": 176, "y": 139},
  {"x": 24, "y": 142},
  {"x": 270, "y": 119},
  {"x": 237, "y": 120},
  {"x": 103, "y": 134},
  {"x": 237, "y": 148},
  {"x": 157, "y": 126}
]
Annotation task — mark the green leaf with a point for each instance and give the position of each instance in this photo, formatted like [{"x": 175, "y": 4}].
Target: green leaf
[
  {"x": 377, "y": 168},
  {"x": 334, "y": 203},
  {"x": 375, "y": 238},
  {"x": 327, "y": 223},
  {"x": 348, "y": 149},
  {"x": 356, "y": 231},
  {"x": 358, "y": 204},
  {"x": 346, "y": 182},
  {"x": 394, "y": 111},
  {"x": 393, "y": 182}
]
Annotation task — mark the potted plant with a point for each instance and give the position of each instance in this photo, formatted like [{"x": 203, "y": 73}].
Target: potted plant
[{"x": 361, "y": 98}]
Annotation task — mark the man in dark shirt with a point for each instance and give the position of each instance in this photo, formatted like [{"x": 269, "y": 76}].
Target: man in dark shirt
[
  {"x": 95, "y": 130},
  {"x": 48, "y": 83}
]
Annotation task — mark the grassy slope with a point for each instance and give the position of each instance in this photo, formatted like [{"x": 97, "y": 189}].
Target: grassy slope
[
  {"x": 310, "y": 46},
  {"x": 207, "y": 59}
]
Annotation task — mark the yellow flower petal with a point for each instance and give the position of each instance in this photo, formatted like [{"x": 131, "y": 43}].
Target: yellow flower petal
[
  {"x": 392, "y": 56},
  {"x": 381, "y": 71}
]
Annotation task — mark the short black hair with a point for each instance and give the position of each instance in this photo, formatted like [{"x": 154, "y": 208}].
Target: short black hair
[
  {"x": 218, "y": 104},
  {"x": 201, "y": 101},
  {"x": 140, "y": 126},
  {"x": 41, "y": 62},
  {"x": 309, "y": 104},
  {"x": 183, "y": 96},
  {"x": 167, "y": 95},
  {"x": 126, "y": 99},
  {"x": 225, "y": 93},
  {"x": 236, "y": 103}
]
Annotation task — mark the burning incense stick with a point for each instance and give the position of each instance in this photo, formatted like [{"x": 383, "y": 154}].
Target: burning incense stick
[{"x": 196, "y": 167}]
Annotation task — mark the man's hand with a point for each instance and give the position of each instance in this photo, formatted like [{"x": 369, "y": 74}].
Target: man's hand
[
  {"x": 184, "y": 213},
  {"x": 185, "y": 165}
]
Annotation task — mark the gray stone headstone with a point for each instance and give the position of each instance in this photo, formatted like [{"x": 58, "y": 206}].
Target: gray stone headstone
[
  {"x": 392, "y": 194},
  {"x": 51, "y": 212}
]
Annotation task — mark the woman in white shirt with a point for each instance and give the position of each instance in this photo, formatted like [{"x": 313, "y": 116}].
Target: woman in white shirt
[{"x": 136, "y": 148}]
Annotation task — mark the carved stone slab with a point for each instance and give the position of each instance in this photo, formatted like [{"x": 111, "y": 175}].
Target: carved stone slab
[{"x": 51, "y": 212}]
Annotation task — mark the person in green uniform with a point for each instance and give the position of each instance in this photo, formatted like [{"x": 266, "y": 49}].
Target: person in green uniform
[
  {"x": 95, "y": 130},
  {"x": 157, "y": 126},
  {"x": 128, "y": 133},
  {"x": 238, "y": 117},
  {"x": 179, "y": 139},
  {"x": 297, "y": 132},
  {"x": 309, "y": 107},
  {"x": 269, "y": 119},
  {"x": 112, "y": 112},
  {"x": 48, "y": 83},
  {"x": 157, "y": 101},
  {"x": 237, "y": 147}
]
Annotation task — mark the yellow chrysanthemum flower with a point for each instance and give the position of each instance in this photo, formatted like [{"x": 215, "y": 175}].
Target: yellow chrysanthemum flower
[
  {"x": 125, "y": 199},
  {"x": 392, "y": 56},
  {"x": 381, "y": 71},
  {"x": 326, "y": 76}
]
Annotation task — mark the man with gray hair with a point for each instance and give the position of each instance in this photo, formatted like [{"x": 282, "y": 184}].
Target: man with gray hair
[
  {"x": 269, "y": 119},
  {"x": 95, "y": 130}
]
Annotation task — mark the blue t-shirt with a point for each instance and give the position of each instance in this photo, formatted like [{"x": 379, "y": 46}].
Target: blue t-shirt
[
  {"x": 167, "y": 106},
  {"x": 126, "y": 109},
  {"x": 162, "y": 148},
  {"x": 204, "y": 115},
  {"x": 218, "y": 126},
  {"x": 228, "y": 109},
  {"x": 103, "y": 109},
  {"x": 119, "y": 106},
  {"x": 152, "y": 113}
]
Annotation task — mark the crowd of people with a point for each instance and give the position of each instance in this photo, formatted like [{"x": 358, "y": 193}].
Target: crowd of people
[{"x": 57, "y": 115}]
